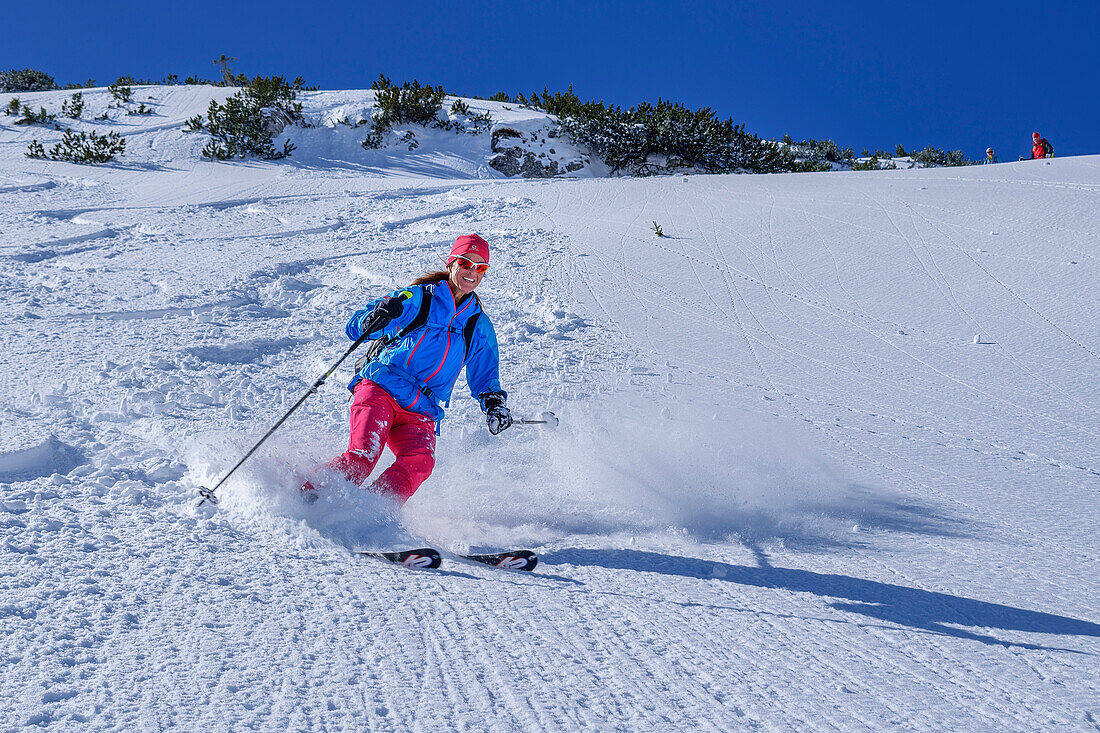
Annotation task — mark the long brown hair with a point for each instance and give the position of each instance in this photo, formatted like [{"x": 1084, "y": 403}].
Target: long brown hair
[
  {"x": 440, "y": 276},
  {"x": 432, "y": 277}
]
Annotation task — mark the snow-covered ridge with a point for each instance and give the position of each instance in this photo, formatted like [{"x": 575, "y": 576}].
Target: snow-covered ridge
[
  {"x": 827, "y": 457},
  {"x": 520, "y": 142}
]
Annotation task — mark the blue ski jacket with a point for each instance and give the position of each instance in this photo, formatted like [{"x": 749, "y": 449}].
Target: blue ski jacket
[{"x": 419, "y": 370}]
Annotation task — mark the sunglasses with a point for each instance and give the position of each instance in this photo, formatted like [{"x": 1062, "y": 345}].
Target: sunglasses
[{"x": 478, "y": 267}]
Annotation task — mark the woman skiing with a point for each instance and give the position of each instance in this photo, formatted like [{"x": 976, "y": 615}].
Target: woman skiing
[{"x": 426, "y": 333}]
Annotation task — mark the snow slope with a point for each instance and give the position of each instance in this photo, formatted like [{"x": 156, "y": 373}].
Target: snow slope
[{"x": 789, "y": 490}]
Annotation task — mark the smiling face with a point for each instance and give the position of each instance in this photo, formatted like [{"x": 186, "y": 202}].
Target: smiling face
[{"x": 463, "y": 277}]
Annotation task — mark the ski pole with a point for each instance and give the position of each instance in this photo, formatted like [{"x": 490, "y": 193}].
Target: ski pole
[
  {"x": 546, "y": 418},
  {"x": 208, "y": 494}
]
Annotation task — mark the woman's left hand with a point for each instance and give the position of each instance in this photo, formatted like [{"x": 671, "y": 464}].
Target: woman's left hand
[
  {"x": 499, "y": 419},
  {"x": 497, "y": 415}
]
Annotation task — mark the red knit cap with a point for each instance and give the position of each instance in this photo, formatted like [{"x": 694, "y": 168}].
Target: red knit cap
[
  {"x": 1035, "y": 134},
  {"x": 468, "y": 243}
]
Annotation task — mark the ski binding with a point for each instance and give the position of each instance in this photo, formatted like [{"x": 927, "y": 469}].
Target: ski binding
[
  {"x": 425, "y": 558},
  {"x": 511, "y": 560}
]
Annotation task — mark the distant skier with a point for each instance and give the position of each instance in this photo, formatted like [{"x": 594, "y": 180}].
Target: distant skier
[
  {"x": 989, "y": 157},
  {"x": 430, "y": 329},
  {"x": 1040, "y": 147}
]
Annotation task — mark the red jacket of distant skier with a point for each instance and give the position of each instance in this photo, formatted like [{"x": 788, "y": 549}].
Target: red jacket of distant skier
[{"x": 1042, "y": 149}]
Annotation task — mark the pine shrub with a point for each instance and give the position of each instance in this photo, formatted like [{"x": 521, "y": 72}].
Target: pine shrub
[
  {"x": 409, "y": 103},
  {"x": 122, "y": 90},
  {"x": 229, "y": 79},
  {"x": 469, "y": 122},
  {"x": 26, "y": 80},
  {"x": 88, "y": 147},
  {"x": 823, "y": 155},
  {"x": 35, "y": 150},
  {"x": 871, "y": 164},
  {"x": 647, "y": 139},
  {"x": 74, "y": 107},
  {"x": 931, "y": 156},
  {"x": 246, "y": 124},
  {"x": 42, "y": 117},
  {"x": 372, "y": 141}
]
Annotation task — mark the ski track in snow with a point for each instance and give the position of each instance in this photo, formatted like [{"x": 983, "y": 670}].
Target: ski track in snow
[{"x": 789, "y": 491}]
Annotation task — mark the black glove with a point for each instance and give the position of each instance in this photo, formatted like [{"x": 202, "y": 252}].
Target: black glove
[
  {"x": 497, "y": 416},
  {"x": 387, "y": 309},
  {"x": 390, "y": 307}
]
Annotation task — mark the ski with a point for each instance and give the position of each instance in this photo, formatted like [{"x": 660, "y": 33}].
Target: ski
[
  {"x": 510, "y": 560},
  {"x": 425, "y": 557},
  {"x": 430, "y": 558}
]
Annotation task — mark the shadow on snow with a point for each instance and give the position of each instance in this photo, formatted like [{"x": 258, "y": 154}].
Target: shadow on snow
[{"x": 930, "y": 611}]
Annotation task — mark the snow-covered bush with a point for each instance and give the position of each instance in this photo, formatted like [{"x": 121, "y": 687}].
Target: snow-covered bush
[
  {"x": 26, "y": 80},
  {"x": 409, "y": 103},
  {"x": 85, "y": 147},
  {"x": 35, "y": 150},
  {"x": 74, "y": 107},
  {"x": 41, "y": 117},
  {"x": 462, "y": 119},
  {"x": 818, "y": 155},
  {"x": 647, "y": 139},
  {"x": 122, "y": 90},
  {"x": 247, "y": 122},
  {"x": 373, "y": 140},
  {"x": 931, "y": 156},
  {"x": 878, "y": 160}
]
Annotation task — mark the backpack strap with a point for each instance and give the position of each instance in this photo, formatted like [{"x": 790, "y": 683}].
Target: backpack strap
[
  {"x": 471, "y": 324},
  {"x": 379, "y": 345},
  {"x": 468, "y": 332},
  {"x": 421, "y": 316}
]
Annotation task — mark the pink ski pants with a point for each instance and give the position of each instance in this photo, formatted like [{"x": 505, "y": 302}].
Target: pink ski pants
[{"x": 377, "y": 421}]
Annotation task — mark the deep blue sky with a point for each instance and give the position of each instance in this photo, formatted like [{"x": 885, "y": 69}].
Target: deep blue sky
[{"x": 957, "y": 75}]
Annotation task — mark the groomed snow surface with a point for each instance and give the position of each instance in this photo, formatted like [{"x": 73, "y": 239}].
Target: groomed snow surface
[{"x": 828, "y": 453}]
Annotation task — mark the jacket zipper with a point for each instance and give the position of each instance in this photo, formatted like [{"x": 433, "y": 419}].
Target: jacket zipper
[{"x": 446, "y": 351}]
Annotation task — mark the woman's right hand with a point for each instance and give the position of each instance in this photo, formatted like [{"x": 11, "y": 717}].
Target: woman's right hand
[{"x": 389, "y": 308}]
